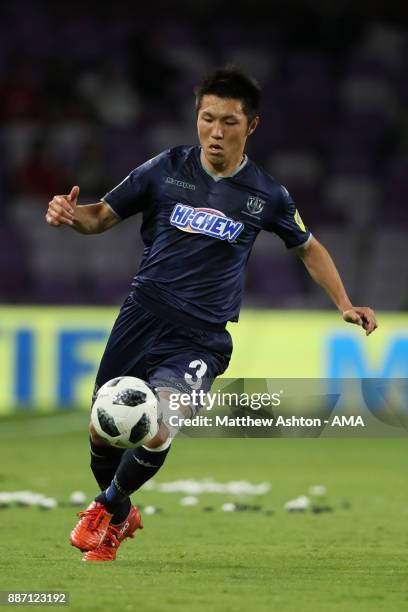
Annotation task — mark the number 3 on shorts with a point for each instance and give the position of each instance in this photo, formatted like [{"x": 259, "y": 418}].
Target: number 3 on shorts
[{"x": 195, "y": 380}]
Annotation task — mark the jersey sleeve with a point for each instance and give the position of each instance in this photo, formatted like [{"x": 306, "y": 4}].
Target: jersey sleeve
[
  {"x": 287, "y": 223},
  {"x": 132, "y": 194}
]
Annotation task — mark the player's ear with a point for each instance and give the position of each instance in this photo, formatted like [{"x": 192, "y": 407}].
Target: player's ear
[{"x": 253, "y": 125}]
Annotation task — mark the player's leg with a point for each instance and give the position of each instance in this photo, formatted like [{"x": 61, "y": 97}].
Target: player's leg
[
  {"x": 138, "y": 465},
  {"x": 105, "y": 458},
  {"x": 132, "y": 336},
  {"x": 193, "y": 363},
  {"x": 187, "y": 357}
]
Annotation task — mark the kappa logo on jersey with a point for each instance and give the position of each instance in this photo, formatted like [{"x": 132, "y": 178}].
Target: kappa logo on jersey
[
  {"x": 182, "y": 184},
  {"x": 205, "y": 221},
  {"x": 255, "y": 205}
]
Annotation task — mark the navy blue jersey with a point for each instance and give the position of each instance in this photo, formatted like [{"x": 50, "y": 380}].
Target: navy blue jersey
[{"x": 199, "y": 230}]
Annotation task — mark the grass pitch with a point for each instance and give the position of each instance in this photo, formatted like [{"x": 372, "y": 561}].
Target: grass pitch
[{"x": 189, "y": 559}]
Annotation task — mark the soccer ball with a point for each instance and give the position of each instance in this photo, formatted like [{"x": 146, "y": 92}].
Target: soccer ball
[{"x": 124, "y": 412}]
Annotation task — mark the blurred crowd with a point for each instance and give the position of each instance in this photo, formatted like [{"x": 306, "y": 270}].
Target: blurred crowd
[{"x": 86, "y": 97}]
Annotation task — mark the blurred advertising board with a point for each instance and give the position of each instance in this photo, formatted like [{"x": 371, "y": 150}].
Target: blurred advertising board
[{"x": 49, "y": 355}]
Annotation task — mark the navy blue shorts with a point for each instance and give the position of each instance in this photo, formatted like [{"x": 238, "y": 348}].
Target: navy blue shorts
[{"x": 165, "y": 354}]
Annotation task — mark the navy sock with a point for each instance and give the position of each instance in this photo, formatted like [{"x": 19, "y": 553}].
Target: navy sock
[
  {"x": 104, "y": 463},
  {"x": 120, "y": 508},
  {"x": 137, "y": 466}
]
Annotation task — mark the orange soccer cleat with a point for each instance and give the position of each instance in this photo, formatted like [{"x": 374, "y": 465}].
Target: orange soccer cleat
[
  {"x": 91, "y": 528},
  {"x": 115, "y": 534}
]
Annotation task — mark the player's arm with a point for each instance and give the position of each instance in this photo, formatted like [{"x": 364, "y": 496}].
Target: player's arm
[
  {"x": 86, "y": 219},
  {"x": 322, "y": 269}
]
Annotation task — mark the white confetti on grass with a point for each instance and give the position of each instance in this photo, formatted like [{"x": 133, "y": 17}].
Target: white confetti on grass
[
  {"x": 299, "y": 504},
  {"x": 195, "y": 487},
  {"x": 77, "y": 498},
  {"x": 189, "y": 500},
  {"x": 26, "y": 498},
  {"x": 228, "y": 507},
  {"x": 317, "y": 491}
]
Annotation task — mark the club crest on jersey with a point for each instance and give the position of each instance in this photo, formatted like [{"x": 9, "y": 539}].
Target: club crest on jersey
[
  {"x": 207, "y": 221},
  {"x": 255, "y": 205}
]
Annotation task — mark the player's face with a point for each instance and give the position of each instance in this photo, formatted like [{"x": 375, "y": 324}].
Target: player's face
[{"x": 223, "y": 129}]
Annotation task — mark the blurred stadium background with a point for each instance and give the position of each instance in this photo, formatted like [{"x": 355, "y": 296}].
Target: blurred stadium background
[{"x": 87, "y": 94}]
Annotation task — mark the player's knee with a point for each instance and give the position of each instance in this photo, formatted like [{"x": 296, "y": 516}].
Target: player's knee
[
  {"x": 160, "y": 438},
  {"x": 96, "y": 439}
]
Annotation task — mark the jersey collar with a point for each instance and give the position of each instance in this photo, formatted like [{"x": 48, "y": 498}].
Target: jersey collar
[{"x": 217, "y": 178}]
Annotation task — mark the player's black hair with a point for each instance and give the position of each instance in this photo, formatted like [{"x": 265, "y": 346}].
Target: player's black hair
[{"x": 231, "y": 82}]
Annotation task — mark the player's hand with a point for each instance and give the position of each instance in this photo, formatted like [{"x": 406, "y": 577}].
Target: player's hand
[
  {"x": 61, "y": 209},
  {"x": 361, "y": 315}
]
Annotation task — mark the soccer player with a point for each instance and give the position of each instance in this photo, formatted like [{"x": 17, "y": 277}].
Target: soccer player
[{"x": 203, "y": 207}]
